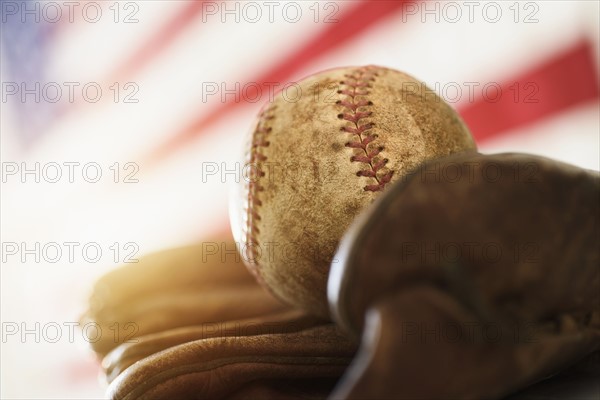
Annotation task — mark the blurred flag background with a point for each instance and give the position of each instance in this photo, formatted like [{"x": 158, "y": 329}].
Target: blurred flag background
[{"x": 122, "y": 121}]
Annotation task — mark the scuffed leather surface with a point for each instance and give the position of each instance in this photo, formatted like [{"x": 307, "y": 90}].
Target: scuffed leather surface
[{"x": 310, "y": 191}]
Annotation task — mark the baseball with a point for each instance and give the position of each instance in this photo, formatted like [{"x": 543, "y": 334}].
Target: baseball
[{"x": 318, "y": 154}]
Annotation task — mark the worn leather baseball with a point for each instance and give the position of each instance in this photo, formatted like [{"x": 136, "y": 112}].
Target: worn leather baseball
[{"x": 320, "y": 152}]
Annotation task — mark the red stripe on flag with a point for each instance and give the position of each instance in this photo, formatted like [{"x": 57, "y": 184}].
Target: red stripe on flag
[
  {"x": 352, "y": 23},
  {"x": 145, "y": 54},
  {"x": 159, "y": 41},
  {"x": 355, "y": 21},
  {"x": 564, "y": 81}
]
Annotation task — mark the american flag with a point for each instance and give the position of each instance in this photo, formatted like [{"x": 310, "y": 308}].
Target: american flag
[{"x": 148, "y": 93}]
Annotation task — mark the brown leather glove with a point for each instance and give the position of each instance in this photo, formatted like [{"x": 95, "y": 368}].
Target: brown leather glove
[
  {"x": 175, "y": 288},
  {"x": 480, "y": 325},
  {"x": 222, "y": 366},
  {"x": 206, "y": 329},
  {"x": 475, "y": 277}
]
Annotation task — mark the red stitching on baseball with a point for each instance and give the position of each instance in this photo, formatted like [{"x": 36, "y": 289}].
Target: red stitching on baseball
[
  {"x": 356, "y": 84},
  {"x": 259, "y": 142}
]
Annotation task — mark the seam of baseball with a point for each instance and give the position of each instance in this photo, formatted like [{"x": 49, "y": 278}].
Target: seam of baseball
[
  {"x": 357, "y": 83},
  {"x": 259, "y": 142}
]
